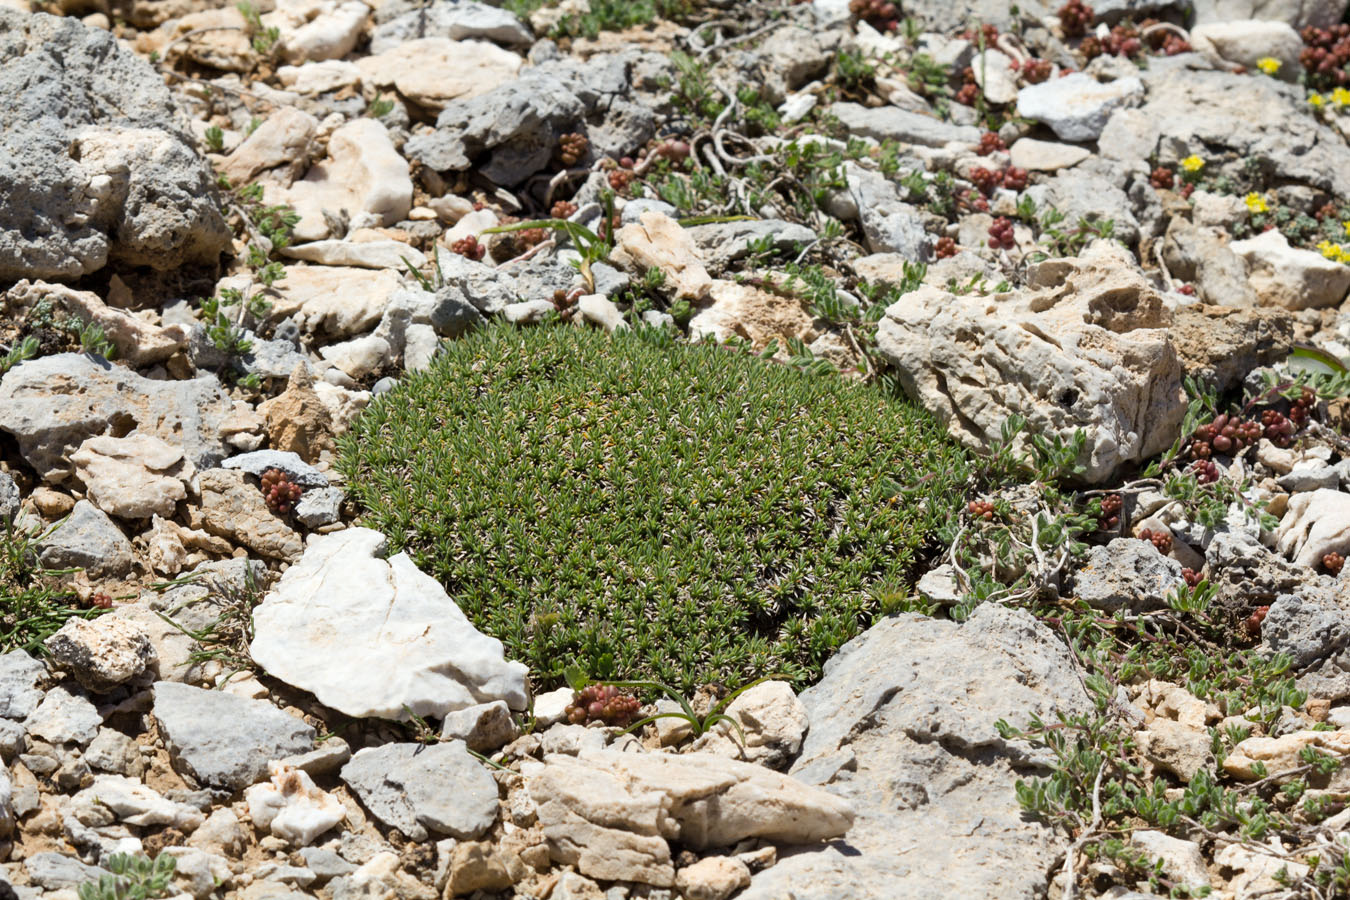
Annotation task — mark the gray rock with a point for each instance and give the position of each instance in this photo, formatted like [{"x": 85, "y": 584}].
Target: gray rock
[
  {"x": 889, "y": 224},
  {"x": 1202, "y": 257},
  {"x": 727, "y": 242},
  {"x": 510, "y": 132},
  {"x": 98, "y": 165},
  {"x": 9, "y": 498},
  {"x": 325, "y": 759},
  {"x": 101, "y": 653},
  {"x": 895, "y": 124},
  {"x": 264, "y": 358},
  {"x": 88, "y": 540},
  {"x": 425, "y": 789},
  {"x": 56, "y": 871},
  {"x": 469, "y": 286},
  {"x": 112, "y": 751},
  {"x": 64, "y": 717},
  {"x": 1310, "y": 475},
  {"x": 259, "y": 461},
  {"x": 52, "y": 404},
  {"x": 608, "y": 280},
  {"x": 1247, "y": 574},
  {"x": 1309, "y": 627},
  {"x": 20, "y": 676},
  {"x": 6, "y": 805},
  {"x": 947, "y": 16},
  {"x": 916, "y": 751},
  {"x": 320, "y": 507},
  {"x": 1127, "y": 573},
  {"x": 459, "y": 20},
  {"x": 222, "y": 740},
  {"x": 483, "y": 728},
  {"x": 11, "y": 739},
  {"x": 1077, "y": 107},
  {"x": 325, "y": 864},
  {"x": 1082, "y": 193}
]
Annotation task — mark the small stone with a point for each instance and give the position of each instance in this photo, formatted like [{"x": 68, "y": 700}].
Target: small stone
[
  {"x": 112, "y": 751},
  {"x": 9, "y": 498},
  {"x": 1077, "y": 107},
  {"x": 296, "y": 469},
  {"x": 477, "y": 866},
  {"x": 64, "y": 717},
  {"x": 1046, "y": 156},
  {"x": 325, "y": 759},
  {"x": 1182, "y": 860},
  {"x": 234, "y": 509},
  {"x": 712, "y": 878},
  {"x": 101, "y": 653},
  {"x": 20, "y": 676},
  {"x": 134, "y": 477},
  {"x": 658, "y": 242},
  {"x": 600, "y": 310},
  {"x": 1316, "y": 523},
  {"x": 551, "y": 708},
  {"x": 292, "y": 807},
  {"x": 320, "y": 507},
  {"x": 1291, "y": 277},
  {"x": 1128, "y": 573},
  {"x": 325, "y": 864},
  {"x": 483, "y": 728},
  {"x": 131, "y": 802}
]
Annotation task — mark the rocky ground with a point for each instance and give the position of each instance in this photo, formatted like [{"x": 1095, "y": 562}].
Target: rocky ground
[{"x": 1105, "y": 245}]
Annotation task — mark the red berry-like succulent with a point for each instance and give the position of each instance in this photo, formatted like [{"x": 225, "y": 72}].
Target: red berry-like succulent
[
  {"x": 1161, "y": 539},
  {"x": 1333, "y": 563},
  {"x": 603, "y": 703},
  {"x": 1075, "y": 17},
  {"x": 572, "y": 148},
  {"x": 1001, "y": 234},
  {"x": 945, "y": 248},
  {"x": 469, "y": 247},
  {"x": 990, "y": 142},
  {"x": 279, "y": 491}
]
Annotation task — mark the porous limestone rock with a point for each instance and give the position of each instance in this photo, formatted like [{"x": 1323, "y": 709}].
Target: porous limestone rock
[
  {"x": 758, "y": 316},
  {"x": 132, "y": 802},
  {"x": 657, "y": 241},
  {"x": 134, "y": 477},
  {"x": 1083, "y": 346},
  {"x": 1316, "y": 523},
  {"x": 433, "y": 71},
  {"x": 99, "y": 165},
  {"x": 87, "y": 539},
  {"x": 136, "y": 342},
  {"x": 374, "y": 636},
  {"x": 101, "y": 653},
  {"x": 1290, "y": 277},
  {"x": 53, "y": 404},
  {"x": 235, "y": 509}
]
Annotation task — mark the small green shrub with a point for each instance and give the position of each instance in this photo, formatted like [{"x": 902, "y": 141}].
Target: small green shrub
[
  {"x": 33, "y": 605},
  {"x": 678, "y": 513}
]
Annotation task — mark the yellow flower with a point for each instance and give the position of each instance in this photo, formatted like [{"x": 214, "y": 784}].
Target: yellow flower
[
  {"x": 1316, "y": 99},
  {"x": 1192, "y": 163},
  {"x": 1329, "y": 250},
  {"x": 1268, "y": 64},
  {"x": 1346, "y": 225},
  {"x": 1340, "y": 96},
  {"x": 1256, "y": 203}
]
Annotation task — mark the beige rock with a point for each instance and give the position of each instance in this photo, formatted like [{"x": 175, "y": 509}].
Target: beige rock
[
  {"x": 713, "y": 878},
  {"x": 1221, "y": 344},
  {"x": 657, "y": 241},
  {"x": 758, "y": 316},
  {"x": 994, "y": 73},
  {"x": 297, "y": 419},
  {"x": 610, "y": 813},
  {"x": 477, "y": 866},
  {"x": 319, "y": 77},
  {"x": 138, "y": 343},
  {"x": 164, "y": 547},
  {"x": 1287, "y": 276},
  {"x": 451, "y": 208},
  {"x": 1315, "y": 524},
  {"x": 1255, "y": 872},
  {"x": 360, "y": 356},
  {"x": 436, "y": 70},
  {"x": 51, "y": 504},
  {"x": 1174, "y": 747},
  {"x": 1046, "y": 156},
  {"x": 363, "y": 173},
  {"x": 600, "y": 310},
  {"x": 1084, "y": 345},
  {"x": 133, "y": 477},
  {"x": 343, "y": 404},
  {"x": 382, "y": 254},
  {"x": 772, "y": 719},
  {"x": 336, "y": 301},
  {"x": 1175, "y": 702},
  {"x": 317, "y": 29},
  {"x": 220, "y": 41},
  {"x": 572, "y": 886},
  {"x": 1281, "y": 754},
  {"x": 282, "y": 140},
  {"x": 235, "y": 509},
  {"x": 101, "y": 653}
]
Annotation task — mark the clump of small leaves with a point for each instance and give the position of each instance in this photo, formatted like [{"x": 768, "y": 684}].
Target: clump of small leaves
[
  {"x": 681, "y": 513},
  {"x": 279, "y": 491},
  {"x": 133, "y": 878},
  {"x": 33, "y": 604}
]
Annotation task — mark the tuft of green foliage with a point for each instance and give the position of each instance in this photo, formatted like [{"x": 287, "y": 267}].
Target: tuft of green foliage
[
  {"x": 672, "y": 512},
  {"x": 33, "y": 605},
  {"x": 133, "y": 878}
]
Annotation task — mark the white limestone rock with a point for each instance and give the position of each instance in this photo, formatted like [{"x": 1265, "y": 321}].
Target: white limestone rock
[
  {"x": 1077, "y": 107},
  {"x": 133, "y": 477},
  {"x": 133, "y": 803},
  {"x": 292, "y": 807},
  {"x": 374, "y": 636},
  {"x": 1316, "y": 523}
]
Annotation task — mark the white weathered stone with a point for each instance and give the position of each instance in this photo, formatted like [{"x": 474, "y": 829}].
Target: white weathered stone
[
  {"x": 386, "y": 254},
  {"x": 133, "y": 477},
  {"x": 1316, "y": 523},
  {"x": 292, "y": 807},
  {"x": 363, "y": 173},
  {"x": 770, "y": 717},
  {"x": 335, "y": 301},
  {"x": 749, "y": 313},
  {"x": 133, "y": 803},
  {"x": 1046, "y": 156},
  {"x": 283, "y": 139},
  {"x": 1084, "y": 345},
  {"x": 433, "y": 71},
  {"x": 1245, "y": 41},
  {"x": 995, "y": 75},
  {"x": 1290, "y": 277},
  {"x": 1182, "y": 861},
  {"x": 319, "y": 77},
  {"x": 712, "y": 878},
  {"x": 1076, "y": 107},
  {"x": 136, "y": 341},
  {"x": 600, "y": 310},
  {"x": 317, "y": 29},
  {"x": 371, "y": 636}
]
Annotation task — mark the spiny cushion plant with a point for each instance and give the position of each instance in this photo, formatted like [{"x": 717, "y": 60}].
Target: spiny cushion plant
[{"x": 647, "y": 509}]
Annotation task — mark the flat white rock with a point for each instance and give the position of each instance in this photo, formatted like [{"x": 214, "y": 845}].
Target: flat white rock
[
  {"x": 292, "y": 807},
  {"x": 371, "y": 636}
]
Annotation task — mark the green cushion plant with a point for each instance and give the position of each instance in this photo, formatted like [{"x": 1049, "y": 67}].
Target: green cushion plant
[{"x": 647, "y": 509}]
